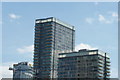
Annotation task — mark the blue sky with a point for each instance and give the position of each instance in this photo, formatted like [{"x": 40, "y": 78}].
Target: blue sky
[{"x": 95, "y": 23}]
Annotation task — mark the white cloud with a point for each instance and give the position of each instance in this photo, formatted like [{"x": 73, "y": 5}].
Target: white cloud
[
  {"x": 89, "y": 20},
  {"x": 102, "y": 19},
  {"x": 4, "y": 69},
  {"x": 84, "y": 46},
  {"x": 114, "y": 14},
  {"x": 14, "y": 16},
  {"x": 6, "y": 73},
  {"x": 110, "y": 18},
  {"x": 26, "y": 49}
]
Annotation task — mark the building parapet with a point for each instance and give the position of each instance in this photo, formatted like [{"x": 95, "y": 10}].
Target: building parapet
[
  {"x": 83, "y": 52},
  {"x": 54, "y": 20}
]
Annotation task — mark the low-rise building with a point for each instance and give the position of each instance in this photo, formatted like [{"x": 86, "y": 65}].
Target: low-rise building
[{"x": 22, "y": 70}]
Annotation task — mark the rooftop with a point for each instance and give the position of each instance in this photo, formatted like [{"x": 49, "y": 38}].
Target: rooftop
[
  {"x": 83, "y": 52},
  {"x": 54, "y": 20}
]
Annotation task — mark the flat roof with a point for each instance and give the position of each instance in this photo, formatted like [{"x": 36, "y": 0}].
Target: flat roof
[
  {"x": 83, "y": 52},
  {"x": 49, "y": 19}
]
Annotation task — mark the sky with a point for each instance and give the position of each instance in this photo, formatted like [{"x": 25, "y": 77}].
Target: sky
[
  {"x": 95, "y": 23},
  {"x": 59, "y": 0}
]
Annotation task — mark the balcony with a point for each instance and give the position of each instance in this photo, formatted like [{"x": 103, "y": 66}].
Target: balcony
[
  {"x": 49, "y": 31},
  {"x": 47, "y": 46},
  {"x": 100, "y": 76},
  {"x": 36, "y": 61},
  {"x": 37, "y": 41},
  {"x": 108, "y": 60},
  {"x": 37, "y": 38},
  {"x": 48, "y": 43},
  {"x": 36, "y": 53},
  {"x": 108, "y": 75},
  {"x": 49, "y": 36},
  {"x": 100, "y": 68},
  {"x": 107, "y": 64},
  {"x": 100, "y": 57},
  {"x": 37, "y": 32},
  {"x": 49, "y": 28},
  {"x": 107, "y": 68},
  {"x": 49, "y": 25},
  {"x": 100, "y": 65},
  {"x": 100, "y": 61},
  {"x": 108, "y": 71},
  {"x": 49, "y": 39},
  {"x": 100, "y": 71}
]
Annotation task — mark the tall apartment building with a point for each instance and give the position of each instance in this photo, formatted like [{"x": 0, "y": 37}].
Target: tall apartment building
[
  {"x": 84, "y": 64},
  {"x": 22, "y": 71},
  {"x": 52, "y": 36}
]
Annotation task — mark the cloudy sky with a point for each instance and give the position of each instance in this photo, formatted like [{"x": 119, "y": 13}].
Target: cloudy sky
[{"x": 95, "y": 23}]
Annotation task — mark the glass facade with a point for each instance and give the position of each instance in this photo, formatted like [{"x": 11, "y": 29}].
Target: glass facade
[
  {"x": 52, "y": 36},
  {"x": 84, "y": 64}
]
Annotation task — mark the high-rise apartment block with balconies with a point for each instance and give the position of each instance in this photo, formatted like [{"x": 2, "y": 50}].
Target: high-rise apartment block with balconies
[
  {"x": 52, "y": 36},
  {"x": 91, "y": 64}
]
